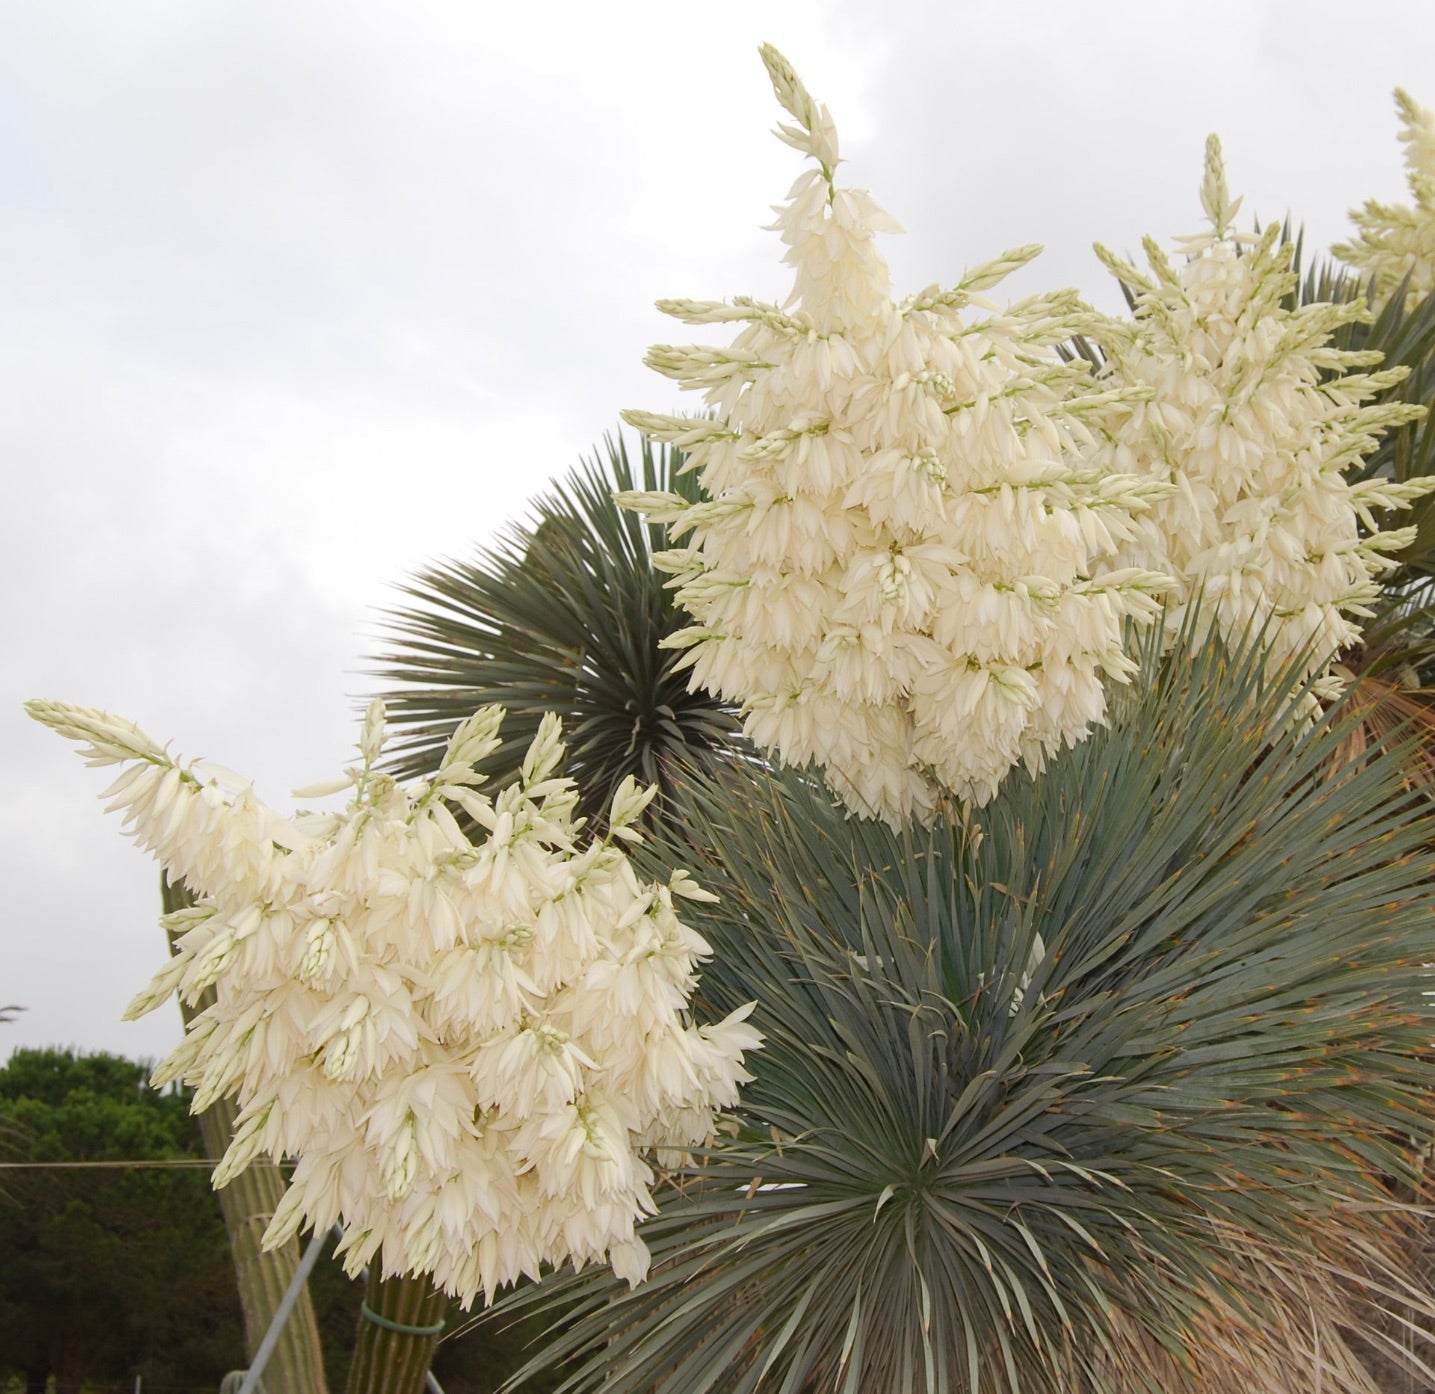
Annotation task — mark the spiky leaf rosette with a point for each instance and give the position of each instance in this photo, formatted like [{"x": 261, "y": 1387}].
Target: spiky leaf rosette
[
  {"x": 470, "y": 1045},
  {"x": 1255, "y": 418},
  {"x": 1395, "y": 243},
  {"x": 900, "y": 566},
  {"x": 1040, "y": 1091},
  {"x": 563, "y": 614}
]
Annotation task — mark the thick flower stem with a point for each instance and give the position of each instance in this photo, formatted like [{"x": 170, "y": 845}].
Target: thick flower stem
[
  {"x": 247, "y": 1203},
  {"x": 399, "y": 1329}
]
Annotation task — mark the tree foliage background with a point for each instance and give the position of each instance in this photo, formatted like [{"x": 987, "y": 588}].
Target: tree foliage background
[
  {"x": 108, "y": 1273},
  {"x": 111, "y": 1273}
]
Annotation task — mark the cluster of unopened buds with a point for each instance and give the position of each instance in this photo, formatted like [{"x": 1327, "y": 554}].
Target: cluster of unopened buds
[{"x": 468, "y": 1026}]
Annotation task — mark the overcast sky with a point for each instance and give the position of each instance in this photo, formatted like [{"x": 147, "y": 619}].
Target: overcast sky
[{"x": 296, "y": 297}]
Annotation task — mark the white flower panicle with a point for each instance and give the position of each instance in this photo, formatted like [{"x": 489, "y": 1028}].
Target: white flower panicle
[
  {"x": 472, "y": 1044},
  {"x": 1252, "y": 417},
  {"x": 901, "y": 565},
  {"x": 1394, "y": 241}
]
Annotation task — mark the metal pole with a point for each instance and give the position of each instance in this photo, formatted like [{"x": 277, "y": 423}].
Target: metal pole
[{"x": 281, "y": 1314}]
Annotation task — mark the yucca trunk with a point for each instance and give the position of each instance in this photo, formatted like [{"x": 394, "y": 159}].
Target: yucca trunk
[
  {"x": 399, "y": 1327},
  {"x": 247, "y": 1202}
]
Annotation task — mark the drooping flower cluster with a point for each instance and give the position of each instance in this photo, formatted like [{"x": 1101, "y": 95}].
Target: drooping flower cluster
[
  {"x": 470, "y": 1047},
  {"x": 1253, "y": 417},
  {"x": 901, "y": 566},
  {"x": 1398, "y": 240}
]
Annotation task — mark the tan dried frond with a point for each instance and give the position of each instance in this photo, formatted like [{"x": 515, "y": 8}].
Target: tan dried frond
[
  {"x": 1342, "y": 1314},
  {"x": 1390, "y": 712}
]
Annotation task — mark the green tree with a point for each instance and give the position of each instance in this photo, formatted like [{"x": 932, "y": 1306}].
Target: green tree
[{"x": 110, "y": 1271}]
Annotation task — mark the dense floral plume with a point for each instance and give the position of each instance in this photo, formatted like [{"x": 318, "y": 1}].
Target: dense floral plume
[
  {"x": 1247, "y": 410},
  {"x": 472, "y": 1048},
  {"x": 1393, "y": 240},
  {"x": 902, "y": 568}
]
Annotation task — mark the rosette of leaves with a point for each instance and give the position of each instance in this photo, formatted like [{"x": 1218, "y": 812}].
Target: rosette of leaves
[
  {"x": 563, "y": 613},
  {"x": 1103, "y": 1089}
]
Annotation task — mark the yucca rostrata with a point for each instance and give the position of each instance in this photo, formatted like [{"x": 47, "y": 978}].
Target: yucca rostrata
[{"x": 1106, "y": 1088}]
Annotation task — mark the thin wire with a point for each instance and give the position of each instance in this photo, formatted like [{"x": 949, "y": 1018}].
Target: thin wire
[{"x": 57, "y": 1166}]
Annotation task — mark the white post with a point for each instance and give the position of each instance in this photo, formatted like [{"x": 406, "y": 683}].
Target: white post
[{"x": 281, "y": 1314}]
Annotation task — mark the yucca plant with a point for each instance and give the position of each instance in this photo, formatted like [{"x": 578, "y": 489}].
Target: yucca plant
[
  {"x": 1104, "y": 1088},
  {"x": 1117, "y": 1084},
  {"x": 564, "y": 613}
]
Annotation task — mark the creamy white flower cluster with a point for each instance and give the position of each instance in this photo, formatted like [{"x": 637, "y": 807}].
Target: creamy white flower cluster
[
  {"x": 471, "y": 1047},
  {"x": 1397, "y": 240},
  {"x": 1253, "y": 417},
  {"x": 901, "y": 566}
]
